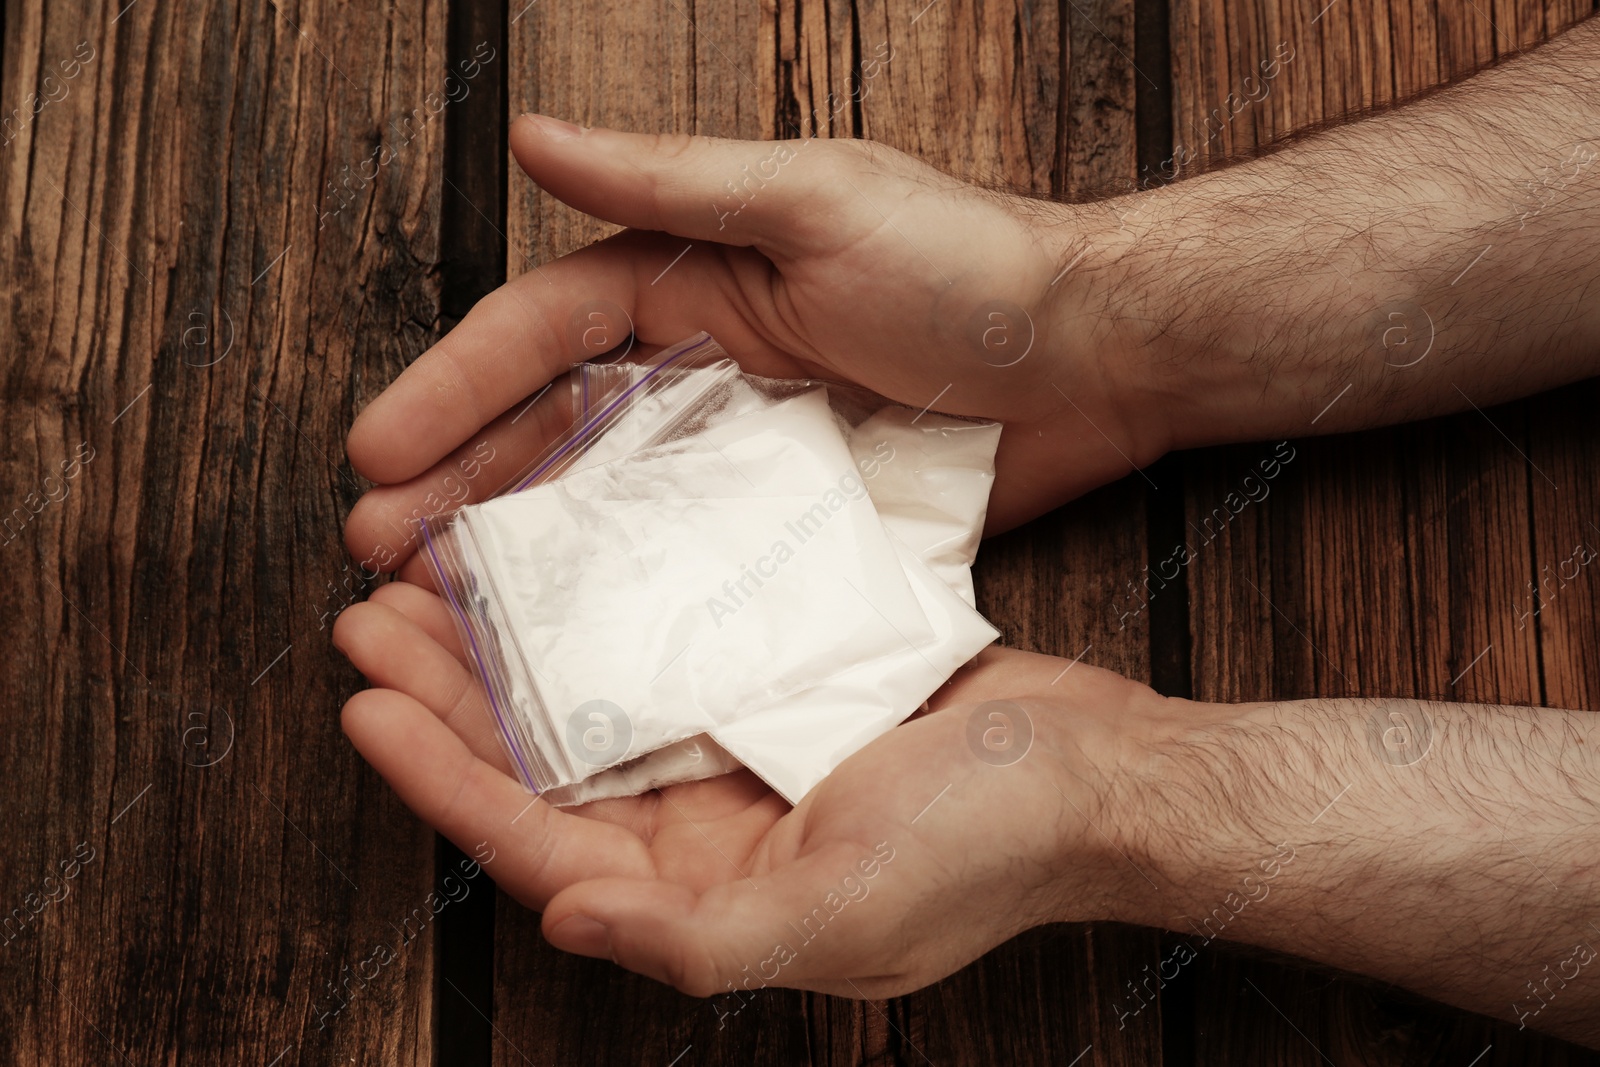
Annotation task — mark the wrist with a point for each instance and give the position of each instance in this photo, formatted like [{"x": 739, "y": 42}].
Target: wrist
[
  {"x": 1234, "y": 322},
  {"x": 1113, "y": 842},
  {"x": 1093, "y": 400},
  {"x": 1188, "y": 819}
]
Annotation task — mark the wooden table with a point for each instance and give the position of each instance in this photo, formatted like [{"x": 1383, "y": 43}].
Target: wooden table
[{"x": 208, "y": 277}]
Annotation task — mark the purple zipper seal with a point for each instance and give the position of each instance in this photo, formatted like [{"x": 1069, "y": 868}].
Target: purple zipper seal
[
  {"x": 477, "y": 657},
  {"x": 455, "y": 604},
  {"x": 607, "y": 410}
]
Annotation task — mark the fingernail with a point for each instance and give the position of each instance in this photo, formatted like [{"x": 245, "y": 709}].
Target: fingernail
[
  {"x": 555, "y": 129},
  {"x": 581, "y": 934}
]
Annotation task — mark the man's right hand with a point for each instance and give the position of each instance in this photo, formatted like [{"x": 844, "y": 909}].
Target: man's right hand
[{"x": 842, "y": 260}]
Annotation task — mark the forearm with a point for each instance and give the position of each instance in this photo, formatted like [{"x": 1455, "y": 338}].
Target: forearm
[
  {"x": 1418, "y": 261},
  {"x": 1450, "y": 849}
]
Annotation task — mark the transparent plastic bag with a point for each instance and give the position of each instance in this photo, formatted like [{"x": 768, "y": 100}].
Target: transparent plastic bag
[
  {"x": 652, "y": 398},
  {"x": 679, "y": 474},
  {"x": 929, "y": 477}
]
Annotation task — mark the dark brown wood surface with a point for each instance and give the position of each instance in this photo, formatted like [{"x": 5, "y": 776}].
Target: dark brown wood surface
[
  {"x": 174, "y": 310},
  {"x": 206, "y": 279}
]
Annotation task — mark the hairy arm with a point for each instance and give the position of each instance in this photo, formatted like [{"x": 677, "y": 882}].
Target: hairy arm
[
  {"x": 1452, "y": 849},
  {"x": 1422, "y": 260}
]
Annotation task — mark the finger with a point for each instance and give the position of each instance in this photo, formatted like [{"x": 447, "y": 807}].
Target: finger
[
  {"x": 786, "y": 197},
  {"x": 383, "y": 529},
  {"x": 515, "y": 340},
  {"x": 537, "y": 850},
  {"x": 414, "y": 571},
  {"x": 391, "y": 659},
  {"x": 701, "y": 942},
  {"x": 424, "y": 608},
  {"x": 509, "y": 346},
  {"x": 395, "y": 653}
]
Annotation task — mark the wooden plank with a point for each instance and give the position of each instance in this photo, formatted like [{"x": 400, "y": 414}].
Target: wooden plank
[
  {"x": 194, "y": 315},
  {"x": 1383, "y": 563},
  {"x": 472, "y": 251},
  {"x": 1561, "y": 589},
  {"x": 631, "y": 68},
  {"x": 1248, "y": 71}
]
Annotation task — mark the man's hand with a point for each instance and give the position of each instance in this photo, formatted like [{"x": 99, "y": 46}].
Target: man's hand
[
  {"x": 843, "y": 260},
  {"x": 1426, "y": 260},
  {"x": 1450, "y": 849},
  {"x": 935, "y": 843}
]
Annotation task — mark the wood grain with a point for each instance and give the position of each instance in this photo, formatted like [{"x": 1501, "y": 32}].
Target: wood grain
[
  {"x": 205, "y": 283},
  {"x": 176, "y": 313}
]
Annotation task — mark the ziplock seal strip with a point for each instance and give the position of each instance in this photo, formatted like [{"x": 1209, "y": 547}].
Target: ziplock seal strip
[
  {"x": 578, "y": 437},
  {"x": 581, "y": 435},
  {"x": 477, "y": 658}
]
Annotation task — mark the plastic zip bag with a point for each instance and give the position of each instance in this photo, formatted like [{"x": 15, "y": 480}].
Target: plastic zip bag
[
  {"x": 660, "y": 394},
  {"x": 929, "y": 476},
  {"x": 750, "y": 646}
]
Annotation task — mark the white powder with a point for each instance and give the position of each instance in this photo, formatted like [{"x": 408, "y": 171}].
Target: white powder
[
  {"x": 794, "y": 743},
  {"x": 690, "y": 584},
  {"x": 928, "y": 477}
]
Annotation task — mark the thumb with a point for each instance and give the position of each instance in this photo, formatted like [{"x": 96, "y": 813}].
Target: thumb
[
  {"x": 787, "y": 196},
  {"x": 737, "y": 936}
]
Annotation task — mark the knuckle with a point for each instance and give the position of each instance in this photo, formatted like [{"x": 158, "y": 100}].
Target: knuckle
[
  {"x": 845, "y": 153},
  {"x": 692, "y": 971},
  {"x": 672, "y": 146}
]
